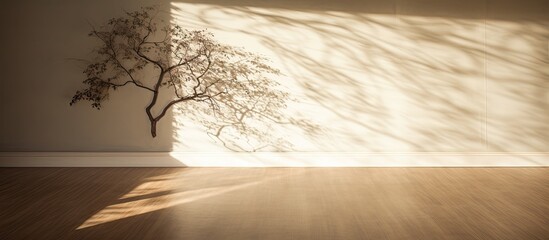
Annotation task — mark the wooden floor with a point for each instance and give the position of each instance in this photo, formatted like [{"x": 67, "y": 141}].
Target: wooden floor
[{"x": 274, "y": 203}]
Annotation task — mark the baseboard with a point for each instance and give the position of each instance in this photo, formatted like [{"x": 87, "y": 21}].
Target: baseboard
[{"x": 271, "y": 159}]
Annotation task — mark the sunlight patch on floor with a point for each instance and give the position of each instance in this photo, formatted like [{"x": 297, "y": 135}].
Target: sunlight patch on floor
[{"x": 142, "y": 206}]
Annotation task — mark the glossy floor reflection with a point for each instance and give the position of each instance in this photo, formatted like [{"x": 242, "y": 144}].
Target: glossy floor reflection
[{"x": 274, "y": 203}]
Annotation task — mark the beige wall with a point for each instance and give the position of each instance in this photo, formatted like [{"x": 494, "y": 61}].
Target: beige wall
[
  {"x": 368, "y": 76},
  {"x": 39, "y": 78}
]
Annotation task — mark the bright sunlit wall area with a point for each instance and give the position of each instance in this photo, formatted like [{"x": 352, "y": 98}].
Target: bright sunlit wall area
[{"x": 372, "y": 83}]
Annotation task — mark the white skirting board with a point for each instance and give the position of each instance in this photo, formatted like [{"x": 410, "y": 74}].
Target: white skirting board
[{"x": 272, "y": 159}]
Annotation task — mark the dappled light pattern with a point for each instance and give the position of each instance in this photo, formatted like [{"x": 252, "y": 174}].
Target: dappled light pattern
[
  {"x": 518, "y": 86},
  {"x": 398, "y": 81}
]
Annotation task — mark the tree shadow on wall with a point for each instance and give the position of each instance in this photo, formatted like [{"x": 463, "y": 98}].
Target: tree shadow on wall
[
  {"x": 255, "y": 125},
  {"x": 426, "y": 84},
  {"x": 232, "y": 92}
]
